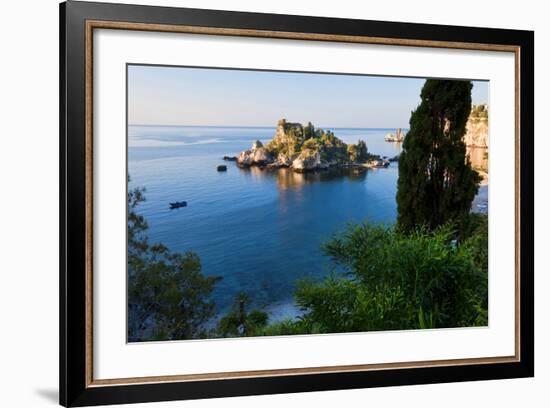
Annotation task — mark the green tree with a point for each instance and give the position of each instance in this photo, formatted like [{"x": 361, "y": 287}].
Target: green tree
[
  {"x": 309, "y": 131},
  {"x": 168, "y": 296},
  {"x": 310, "y": 144},
  {"x": 436, "y": 181},
  {"x": 396, "y": 281},
  {"x": 362, "y": 150},
  {"x": 240, "y": 323},
  {"x": 358, "y": 152}
]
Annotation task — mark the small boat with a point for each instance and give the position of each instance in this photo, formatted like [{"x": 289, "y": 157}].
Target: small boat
[{"x": 178, "y": 204}]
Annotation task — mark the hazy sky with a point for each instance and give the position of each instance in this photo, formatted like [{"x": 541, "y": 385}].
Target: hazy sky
[{"x": 198, "y": 96}]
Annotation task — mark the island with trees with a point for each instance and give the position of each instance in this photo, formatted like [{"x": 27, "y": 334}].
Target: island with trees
[{"x": 305, "y": 148}]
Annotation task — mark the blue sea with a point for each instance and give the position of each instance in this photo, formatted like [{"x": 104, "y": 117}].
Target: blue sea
[{"x": 260, "y": 230}]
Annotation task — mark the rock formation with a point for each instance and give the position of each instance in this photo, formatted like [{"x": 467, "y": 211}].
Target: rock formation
[
  {"x": 304, "y": 148},
  {"x": 257, "y": 155},
  {"x": 477, "y": 127},
  {"x": 307, "y": 160},
  {"x": 398, "y": 136}
]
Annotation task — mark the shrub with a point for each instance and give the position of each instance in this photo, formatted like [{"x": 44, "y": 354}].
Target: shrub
[
  {"x": 168, "y": 296},
  {"x": 397, "y": 281}
]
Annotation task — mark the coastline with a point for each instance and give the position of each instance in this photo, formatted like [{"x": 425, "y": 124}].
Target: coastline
[
  {"x": 485, "y": 180},
  {"x": 281, "y": 193}
]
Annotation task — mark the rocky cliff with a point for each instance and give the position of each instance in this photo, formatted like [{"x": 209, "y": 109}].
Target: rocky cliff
[
  {"x": 477, "y": 127},
  {"x": 304, "y": 148}
]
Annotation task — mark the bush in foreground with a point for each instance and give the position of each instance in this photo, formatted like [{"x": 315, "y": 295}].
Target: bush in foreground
[
  {"x": 390, "y": 280},
  {"x": 168, "y": 296}
]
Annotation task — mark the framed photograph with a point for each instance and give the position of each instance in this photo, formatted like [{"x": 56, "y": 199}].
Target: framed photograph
[{"x": 256, "y": 203}]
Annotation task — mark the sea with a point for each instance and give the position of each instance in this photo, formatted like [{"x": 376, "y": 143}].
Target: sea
[{"x": 259, "y": 230}]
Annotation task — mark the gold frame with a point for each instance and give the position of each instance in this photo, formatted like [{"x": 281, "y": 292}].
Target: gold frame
[{"x": 99, "y": 24}]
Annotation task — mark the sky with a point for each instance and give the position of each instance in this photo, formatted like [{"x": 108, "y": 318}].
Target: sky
[{"x": 160, "y": 95}]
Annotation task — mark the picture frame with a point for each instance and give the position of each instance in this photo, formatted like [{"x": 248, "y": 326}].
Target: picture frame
[{"x": 79, "y": 21}]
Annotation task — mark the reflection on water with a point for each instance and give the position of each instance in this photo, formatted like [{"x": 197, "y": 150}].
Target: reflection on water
[
  {"x": 288, "y": 179},
  {"x": 396, "y": 147}
]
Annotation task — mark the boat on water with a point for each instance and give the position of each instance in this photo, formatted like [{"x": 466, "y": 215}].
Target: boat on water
[{"x": 178, "y": 204}]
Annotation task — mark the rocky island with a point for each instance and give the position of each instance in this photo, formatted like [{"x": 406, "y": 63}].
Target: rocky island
[
  {"x": 396, "y": 137},
  {"x": 304, "y": 148}
]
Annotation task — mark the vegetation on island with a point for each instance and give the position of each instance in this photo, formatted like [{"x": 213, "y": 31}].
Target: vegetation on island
[
  {"x": 305, "y": 148},
  {"x": 298, "y": 139},
  {"x": 429, "y": 270}
]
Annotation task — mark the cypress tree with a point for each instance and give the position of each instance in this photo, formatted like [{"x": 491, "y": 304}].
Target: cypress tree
[{"x": 436, "y": 181}]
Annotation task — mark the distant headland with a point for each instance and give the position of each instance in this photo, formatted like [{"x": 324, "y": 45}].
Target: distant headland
[
  {"x": 304, "y": 148},
  {"x": 477, "y": 127}
]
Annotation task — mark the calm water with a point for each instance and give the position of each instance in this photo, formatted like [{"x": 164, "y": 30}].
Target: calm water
[{"x": 260, "y": 230}]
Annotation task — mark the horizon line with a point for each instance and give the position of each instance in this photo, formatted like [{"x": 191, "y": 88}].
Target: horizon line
[{"x": 265, "y": 126}]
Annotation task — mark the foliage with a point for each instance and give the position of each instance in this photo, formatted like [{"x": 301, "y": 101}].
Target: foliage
[
  {"x": 331, "y": 148},
  {"x": 436, "y": 181},
  {"x": 238, "y": 322},
  {"x": 479, "y": 112},
  {"x": 358, "y": 152},
  {"x": 396, "y": 281},
  {"x": 168, "y": 296},
  {"x": 311, "y": 144},
  {"x": 477, "y": 241}
]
